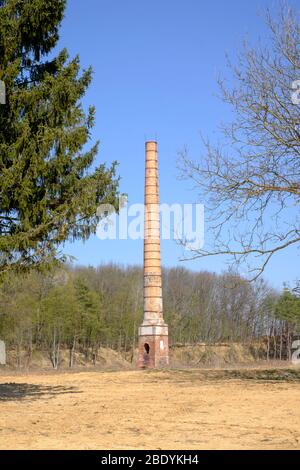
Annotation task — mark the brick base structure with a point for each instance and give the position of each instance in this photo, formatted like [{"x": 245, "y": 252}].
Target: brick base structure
[{"x": 153, "y": 348}]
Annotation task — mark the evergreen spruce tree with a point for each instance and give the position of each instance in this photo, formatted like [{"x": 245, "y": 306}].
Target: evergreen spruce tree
[
  {"x": 288, "y": 308},
  {"x": 49, "y": 186}
]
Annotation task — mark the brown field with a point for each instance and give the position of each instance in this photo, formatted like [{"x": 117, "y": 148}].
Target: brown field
[{"x": 176, "y": 409}]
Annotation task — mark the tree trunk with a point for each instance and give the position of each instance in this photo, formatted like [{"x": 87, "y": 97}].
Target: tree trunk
[
  {"x": 72, "y": 352},
  {"x": 30, "y": 348},
  {"x": 281, "y": 342},
  {"x": 268, "y": 346},
  {"x": 55, "y": 349},
  {"x": 289, "y": 344},
  {"x": 133, "y": 343},
  {"x": 274, "y": 343}
]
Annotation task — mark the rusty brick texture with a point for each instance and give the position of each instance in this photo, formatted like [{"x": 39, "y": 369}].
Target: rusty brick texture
[{"x": 153, "y": 333}]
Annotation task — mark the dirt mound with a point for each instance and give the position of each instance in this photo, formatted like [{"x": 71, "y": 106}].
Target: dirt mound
[
  {"x": 217, "y": 355},
  {"x": 197, "y": 355},
  {"x": 111, "y": 359},
  {"x": 106, "y": 359}
]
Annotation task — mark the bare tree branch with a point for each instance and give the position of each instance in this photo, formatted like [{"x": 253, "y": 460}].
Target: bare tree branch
[{"x": 250, "y": 181}]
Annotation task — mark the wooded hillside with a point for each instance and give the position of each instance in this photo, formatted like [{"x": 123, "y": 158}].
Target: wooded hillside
[{"x": 83, "y": 309}]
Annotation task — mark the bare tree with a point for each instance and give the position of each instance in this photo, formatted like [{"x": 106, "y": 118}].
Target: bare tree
[{"x": 250, "y": 180}]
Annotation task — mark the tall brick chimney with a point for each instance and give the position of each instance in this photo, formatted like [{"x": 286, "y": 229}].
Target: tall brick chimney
[{"x": 153, "y": 349}]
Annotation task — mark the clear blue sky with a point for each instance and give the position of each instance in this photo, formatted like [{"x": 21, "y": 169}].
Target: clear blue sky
[{"x": 155, "y": 65}]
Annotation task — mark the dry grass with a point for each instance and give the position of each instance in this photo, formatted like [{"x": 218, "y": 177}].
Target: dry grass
[{"x": 178, "y": 409}]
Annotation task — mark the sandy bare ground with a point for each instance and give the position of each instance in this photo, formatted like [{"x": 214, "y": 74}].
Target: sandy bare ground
[{"x": 191, "y": 409}]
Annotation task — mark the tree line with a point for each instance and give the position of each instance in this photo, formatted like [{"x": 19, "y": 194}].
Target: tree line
[{"x": 84, "y": 308}]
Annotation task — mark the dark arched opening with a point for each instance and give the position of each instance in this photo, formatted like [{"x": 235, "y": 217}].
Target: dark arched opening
[{"x": 147, "y": 348}]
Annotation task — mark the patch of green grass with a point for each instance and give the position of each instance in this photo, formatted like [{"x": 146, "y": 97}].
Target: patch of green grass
[
  {"x": 276, "y": 375},
  {"x": 258, "y": 375}
]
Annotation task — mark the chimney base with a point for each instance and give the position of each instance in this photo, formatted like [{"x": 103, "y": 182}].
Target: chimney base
[{"x": 153, "y": 348}]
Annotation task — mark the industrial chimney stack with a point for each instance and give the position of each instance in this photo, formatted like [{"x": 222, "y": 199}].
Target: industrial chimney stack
[{"x": 153, "y": 348}]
